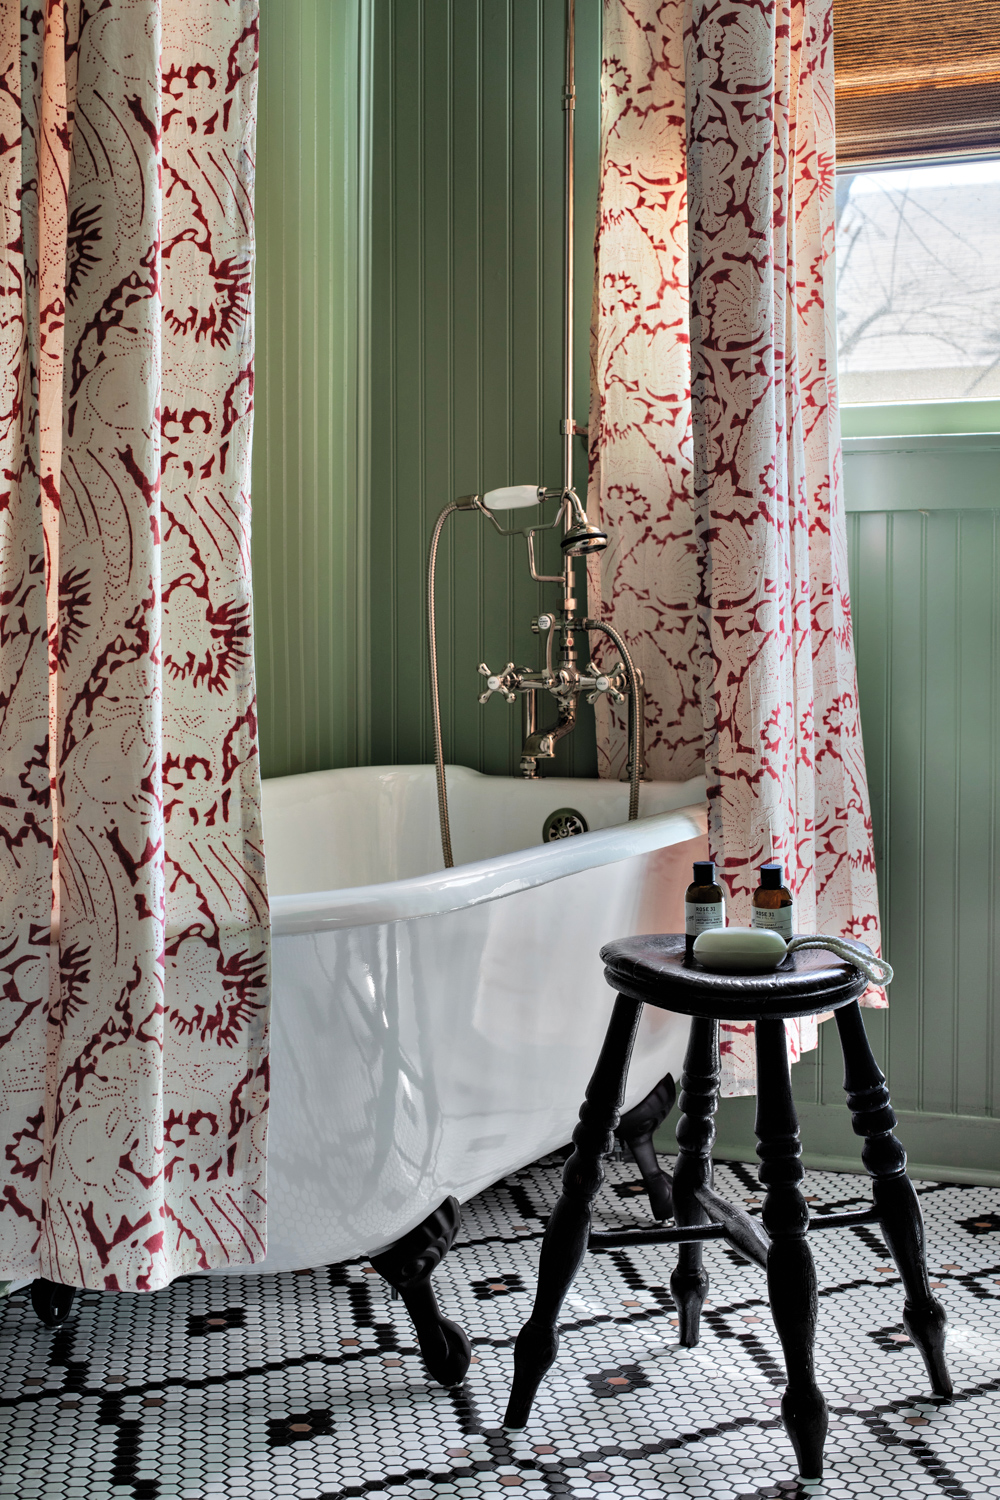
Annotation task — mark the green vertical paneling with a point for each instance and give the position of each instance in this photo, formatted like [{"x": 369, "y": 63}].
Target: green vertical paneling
[
  {"x": 309, "y": 470},
  {"x": 466, "y": 346},
  {"x": 464, "y": 267},
  {"x": 925, "y": 598},
  {"x": 977, "y": 919}
]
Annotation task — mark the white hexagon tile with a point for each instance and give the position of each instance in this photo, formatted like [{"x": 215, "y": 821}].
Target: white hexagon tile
[{"x": 309, "y": 1386}]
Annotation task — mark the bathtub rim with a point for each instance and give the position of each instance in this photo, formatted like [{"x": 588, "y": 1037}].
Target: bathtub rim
[{"x": 482, "y": 880}]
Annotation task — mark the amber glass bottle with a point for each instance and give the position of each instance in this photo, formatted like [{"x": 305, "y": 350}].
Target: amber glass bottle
[
  {"x": 773, "y": 904},
  {"x": 704, "y": 904}
]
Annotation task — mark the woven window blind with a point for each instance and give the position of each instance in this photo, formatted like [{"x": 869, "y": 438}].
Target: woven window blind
[{"x": 916, "y": 79}]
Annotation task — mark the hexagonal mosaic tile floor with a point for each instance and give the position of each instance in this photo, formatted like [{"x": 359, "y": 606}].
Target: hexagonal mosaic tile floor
[{"x": 309, "y": 1385}]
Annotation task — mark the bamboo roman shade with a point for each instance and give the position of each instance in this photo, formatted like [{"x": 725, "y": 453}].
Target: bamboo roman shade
[{"x": 916, "y": 78}]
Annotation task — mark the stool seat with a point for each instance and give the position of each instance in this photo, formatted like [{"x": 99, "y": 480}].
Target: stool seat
[{"x": 653, "y": 969}]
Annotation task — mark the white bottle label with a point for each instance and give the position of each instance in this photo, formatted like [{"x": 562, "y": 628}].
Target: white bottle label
[
  {"x": 780, "y": 919},
  {"x": 700, "y": 915}
]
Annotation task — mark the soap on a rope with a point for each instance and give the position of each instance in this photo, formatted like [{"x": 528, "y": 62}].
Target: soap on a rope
[{"x": 739, "y": 950}]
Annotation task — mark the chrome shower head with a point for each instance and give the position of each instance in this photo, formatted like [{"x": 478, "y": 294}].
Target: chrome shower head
[{"x": 582, "y": 538}]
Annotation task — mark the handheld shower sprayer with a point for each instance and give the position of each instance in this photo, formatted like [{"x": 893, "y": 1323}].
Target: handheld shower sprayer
[
  {"x": 515, "y": 497},
  {"x": 580, "y": 538}
]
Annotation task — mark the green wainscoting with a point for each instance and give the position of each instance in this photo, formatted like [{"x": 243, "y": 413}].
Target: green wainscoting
[
  {"x": 466, "y": 347},
  {"x": 310, "y": 477},
  {"x": 926, "y": 609},
  {"x": 925, "y": 601}
]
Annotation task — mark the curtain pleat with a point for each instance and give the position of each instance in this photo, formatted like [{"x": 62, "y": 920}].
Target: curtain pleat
[
  {"x": 716, "y": 450},
  {"x": 134, "y": 1082}
]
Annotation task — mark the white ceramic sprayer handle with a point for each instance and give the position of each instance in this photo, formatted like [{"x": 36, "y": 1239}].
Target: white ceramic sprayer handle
[{"x": 513, "y": 497}]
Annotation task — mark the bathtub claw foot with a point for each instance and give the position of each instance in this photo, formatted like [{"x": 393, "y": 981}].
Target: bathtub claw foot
[
  {"x": 408, "y": 1266},
  {"x": 636, "y": 1129},
  {"x": 444, "y": 1347}
]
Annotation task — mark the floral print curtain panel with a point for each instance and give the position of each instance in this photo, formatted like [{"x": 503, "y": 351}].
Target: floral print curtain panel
[
  {"x": 715, "y": 446},
  {"x": 134, "y": 959}
]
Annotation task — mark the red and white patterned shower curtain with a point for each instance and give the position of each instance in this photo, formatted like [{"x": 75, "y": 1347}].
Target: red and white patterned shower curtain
[
  {"x": 133, "y": 1005},
  {"x": 715, "y": 446}
]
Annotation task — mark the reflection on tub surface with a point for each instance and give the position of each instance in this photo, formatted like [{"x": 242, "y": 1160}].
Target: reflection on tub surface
[{"x": 431, "y": 1034}]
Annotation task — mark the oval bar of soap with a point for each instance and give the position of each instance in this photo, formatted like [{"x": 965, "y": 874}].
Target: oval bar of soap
[{"x": 739, "y": 950}]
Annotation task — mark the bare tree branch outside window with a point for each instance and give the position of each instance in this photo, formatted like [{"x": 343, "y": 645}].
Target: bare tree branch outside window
[{"x": 918, "y": 283}]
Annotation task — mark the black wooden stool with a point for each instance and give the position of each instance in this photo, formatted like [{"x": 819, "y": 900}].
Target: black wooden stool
[{"x": 653, "y": 971}]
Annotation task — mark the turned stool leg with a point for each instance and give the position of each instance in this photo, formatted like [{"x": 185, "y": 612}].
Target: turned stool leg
[
  {"x": 695, "y": 1137},
  {"x": 900, "y": 1219},
  {"x": 565, "y": 1241},
  {"x": 791, "y": 1275}
]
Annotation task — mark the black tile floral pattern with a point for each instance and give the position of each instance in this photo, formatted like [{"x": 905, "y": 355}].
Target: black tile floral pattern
[{"x": 310, "y": 1387}]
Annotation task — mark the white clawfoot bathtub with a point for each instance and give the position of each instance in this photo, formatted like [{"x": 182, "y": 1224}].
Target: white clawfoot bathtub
[{"x": 435, "y": 1029}]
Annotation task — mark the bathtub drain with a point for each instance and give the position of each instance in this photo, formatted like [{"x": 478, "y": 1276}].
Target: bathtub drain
[{"x": 563, "y": 824}]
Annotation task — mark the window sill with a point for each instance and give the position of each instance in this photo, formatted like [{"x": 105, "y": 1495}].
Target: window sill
[{"x": 920, "y": 418}]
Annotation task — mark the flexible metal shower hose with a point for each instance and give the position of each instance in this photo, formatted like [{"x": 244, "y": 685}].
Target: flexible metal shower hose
[
  {"x": 442, "y": 789},
  {"x": 635, "y": 712}
]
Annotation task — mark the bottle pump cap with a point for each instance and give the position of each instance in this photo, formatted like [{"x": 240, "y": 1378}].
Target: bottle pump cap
[
  {"x": 772, "y": 876},
  {"x": 704, "y": 872}
]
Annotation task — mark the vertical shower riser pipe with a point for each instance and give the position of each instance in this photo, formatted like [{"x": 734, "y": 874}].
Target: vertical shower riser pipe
[
  {"x": 569, "y": 116},
  {"x": 567, "y": 424}
]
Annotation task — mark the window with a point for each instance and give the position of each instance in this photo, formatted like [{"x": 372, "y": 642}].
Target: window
[{"x": 918, "y": 283}]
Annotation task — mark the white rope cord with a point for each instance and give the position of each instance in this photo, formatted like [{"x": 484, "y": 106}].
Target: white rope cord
[{"x": 877, "y": 970}]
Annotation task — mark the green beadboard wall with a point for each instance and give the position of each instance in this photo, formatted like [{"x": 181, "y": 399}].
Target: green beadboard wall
[
  {"x": 449, "y": 282},
  {"x": 466, "y": 347},
  {"x": 926, "y": 588},
  {"x": 924, "y": 547},
  {"x": 310, "y": 479}
]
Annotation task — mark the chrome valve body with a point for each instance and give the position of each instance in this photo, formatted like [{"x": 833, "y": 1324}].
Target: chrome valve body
[{"x": 565, "y": 682}]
